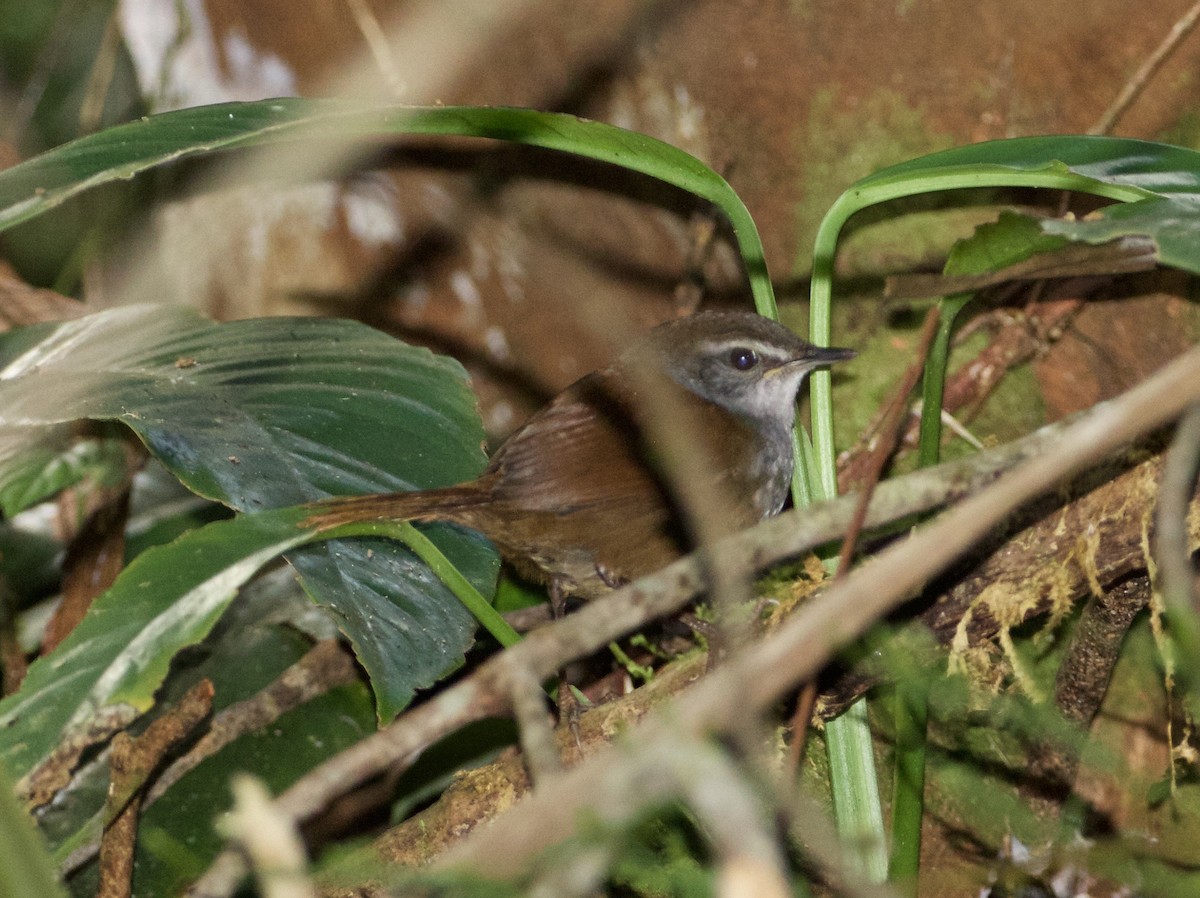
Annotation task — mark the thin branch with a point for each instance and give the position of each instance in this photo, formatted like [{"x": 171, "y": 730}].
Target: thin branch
[
  {"x": 889, "y": 437},
  {"x": 811, "y": 828},
  {"x": 377, "y": 42},
  {"x": 133, "y": 761},
  {"x": 325, "y": 666},
  {"x": 534, "y": 728},
  {"x": 732, "y": 815},
  {"x": 1085, "y": 673},
  {"x": 1176, "y": 575},
  {"x": 1137, "y": 83},
  {"x": 807, "y": 641},
  {"x": 91, "y": 113},
  {"x": 271, "y": 840},
  {"x": 753, "y": 679}
]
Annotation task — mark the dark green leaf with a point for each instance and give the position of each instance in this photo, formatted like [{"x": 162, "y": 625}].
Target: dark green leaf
[
  {"x": 1143, "y": 166},
  {"x": 1159, "y": 184},
  {"x": 39, "y": 184},
  {"x": 45, "y": 469},
  {"x": 999, "y": 245},
  {"x": 168, "y": 598},
  {"x": 25, "y": 867},
  {"x": 176, "y": 837},
  {"x": 275, "y": 412}
]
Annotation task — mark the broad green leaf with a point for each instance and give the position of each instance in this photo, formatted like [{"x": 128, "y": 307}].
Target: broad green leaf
[
  {"x": 1159, "y": 184},
  {"x": 999, "y": 244},
  {"x": 256, "y": 413},
  {"x": 1146, "y": 167},
  {"x": 25, "y": 867},
  {"x": 169, "y": 597},
  {"x": 45, "y": 469},
  {"x": 1172, "y": 222},
  {"x": 39, "y": 184},
  {"x": 176, "y": 836},
  {"x": 162, "y": 509},
  {"x": 275, "y": 412}
]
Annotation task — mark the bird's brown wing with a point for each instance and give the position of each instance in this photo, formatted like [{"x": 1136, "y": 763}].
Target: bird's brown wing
[
  {"x": 580, "y": 450},
  {"x": 578, "y": 495}
]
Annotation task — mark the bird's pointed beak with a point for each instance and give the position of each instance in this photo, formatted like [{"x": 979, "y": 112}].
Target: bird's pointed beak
[
  {"x": 827, "y": 355},
  {"x": 814, "y": 357}
]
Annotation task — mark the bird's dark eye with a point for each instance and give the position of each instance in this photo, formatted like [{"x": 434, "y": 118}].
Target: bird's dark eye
[{"x": 743, "y": 359}]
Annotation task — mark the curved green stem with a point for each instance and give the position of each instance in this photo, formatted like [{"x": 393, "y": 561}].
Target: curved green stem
[
  {"x": 908, "y": 793},
  {"x": 929, "y": 443},
  {"x": 402, "y": 531},
  {"x": 857, "y": 805},
  {"x": 881, "y": 189}
]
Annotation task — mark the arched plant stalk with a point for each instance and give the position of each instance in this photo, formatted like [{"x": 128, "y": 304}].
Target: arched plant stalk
[{"x": 1158, "y": 186}]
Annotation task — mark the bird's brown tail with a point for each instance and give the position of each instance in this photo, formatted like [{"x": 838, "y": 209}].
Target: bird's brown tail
[{"x": 455, "y": 504}]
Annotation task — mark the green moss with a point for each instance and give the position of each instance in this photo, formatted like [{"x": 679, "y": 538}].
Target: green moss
[
  {"x": 897, "y": 237},
  {"x": 1014, "y": 408},
  {"x": 840, "y": 145},
  {"x": 1184, "y": 131}
]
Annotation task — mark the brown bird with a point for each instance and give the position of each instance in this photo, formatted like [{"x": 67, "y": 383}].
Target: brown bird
[{"x": 577, "y": 499}]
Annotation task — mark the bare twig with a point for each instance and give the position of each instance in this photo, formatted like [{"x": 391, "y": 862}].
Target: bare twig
[
  {"x": 534, "y": 727},
  {"x": 91, "y": 113},
  {"x": 1176, "y": 574},
  {"x": 96, "y": 551},
  {"x": 1137, "y": 83},
  {"x": 43, "y": 782},
  {"x": 889, "y": 436},
  {"x": 1121, "y": 256},
  {"x": 751, "y": 679},
  {"x": 13, "y": 665},
  {"x": 271, "y": 840},
  {"x": 377, "y": 42},
  {"x": 21, "y": 304},
  {"x": 806, "y": 701},
  {"x": 812, "y": 829},
  {"x": 133, "y": 762},
  {"x": 806, "y": 642},
  {"x": 326, "y": 665},
  {"x": 718, "y": 792},
  {"x": 1084, "y": 675}
]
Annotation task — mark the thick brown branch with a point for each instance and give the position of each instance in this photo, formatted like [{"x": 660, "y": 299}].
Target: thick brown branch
[
  {"x": 806, "y": 642},
  {"x": 1055, "y": 554},
  {"x": 1080, "y": 541},
  {"x": 133, "y": 762},
  {"x": 752, "y": 679}
]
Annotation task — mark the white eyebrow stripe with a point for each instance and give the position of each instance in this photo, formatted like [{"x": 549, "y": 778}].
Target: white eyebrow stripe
[{"x": 739, "y": 343}]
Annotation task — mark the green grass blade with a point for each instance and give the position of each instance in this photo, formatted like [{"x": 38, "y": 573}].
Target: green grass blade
[
  {"x": 1098, "y": 166},
  {"x": 119, "y": 153},
  {"x": 402, "y": 531},
  {"x": 25, "y": 864}
]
